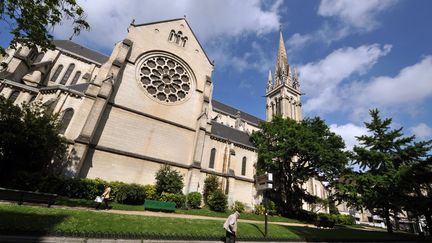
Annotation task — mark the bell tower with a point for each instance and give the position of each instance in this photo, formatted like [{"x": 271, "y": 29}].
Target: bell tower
[{"x": 283, "y": 92}]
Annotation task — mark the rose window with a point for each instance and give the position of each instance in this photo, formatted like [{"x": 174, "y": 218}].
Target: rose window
[{"x": 164, "y": 79}]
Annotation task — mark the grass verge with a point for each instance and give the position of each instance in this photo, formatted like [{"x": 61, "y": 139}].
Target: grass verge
[
  {"x": 82, "y": 222},
  {"x": 72, "y": 202}
]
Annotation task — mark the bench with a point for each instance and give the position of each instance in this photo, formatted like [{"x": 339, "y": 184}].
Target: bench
[
  {"x": 26, "y": 196},
  {"x": 158, "y": 205}
]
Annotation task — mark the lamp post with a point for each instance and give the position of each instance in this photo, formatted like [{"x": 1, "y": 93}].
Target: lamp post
[{"x": 265, "y": 183}]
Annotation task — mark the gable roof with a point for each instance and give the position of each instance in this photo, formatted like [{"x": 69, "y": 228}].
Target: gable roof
[
  {"x": 173, "y": 20},
  {"x": 231, "y": 134},
  {"x": 231, "y": 111},
  {"x": 74, "y": 48}
]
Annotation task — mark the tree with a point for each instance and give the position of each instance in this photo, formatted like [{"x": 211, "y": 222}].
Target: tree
[
  {"x": 383, "y": 156},
  {"x": 295, "y": 152},
  {"x": 31, "y": 21},
  {"x": 211, "y": 184},
  {"x": 168, "y": 180},
  {"x": 218, "y": 201},
  {"x": 416, "y": 186},
  {"x": 29, "y": 140}
]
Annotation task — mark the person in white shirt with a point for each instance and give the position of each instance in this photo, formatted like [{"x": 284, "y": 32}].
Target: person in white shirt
[{"x": 230, "y": 227}]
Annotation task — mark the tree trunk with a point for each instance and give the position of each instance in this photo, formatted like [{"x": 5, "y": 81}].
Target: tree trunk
[
  {"x": 428, "y": 217},
  {"x": 397, "y": 226},
  {"x": 388, "y": 223}
]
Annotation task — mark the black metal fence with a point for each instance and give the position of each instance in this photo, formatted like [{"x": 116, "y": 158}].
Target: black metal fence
[
  {"x": 155, "y": 236},
  {"x": 127, "y": 235}
]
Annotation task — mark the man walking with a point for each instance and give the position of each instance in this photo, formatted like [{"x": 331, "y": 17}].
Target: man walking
[{"x": 230, "y": 226}]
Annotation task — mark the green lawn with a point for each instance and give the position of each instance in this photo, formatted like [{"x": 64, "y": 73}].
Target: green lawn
[
  {"x": 203, "y": 212},
  {"x": 52, "y": 220},
  {"x": 249, "y": 216}
]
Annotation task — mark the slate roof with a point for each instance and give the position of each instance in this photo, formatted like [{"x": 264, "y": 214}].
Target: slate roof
[
  {"x": 79, "y": 87},
  {"x": 233, "y": 112},
  {"x": 231, "y": 134},
  {"x": 77, "y": 49}
]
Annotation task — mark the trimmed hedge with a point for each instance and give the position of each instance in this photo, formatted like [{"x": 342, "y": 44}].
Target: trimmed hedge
[
  {"x": 83, "y": 188},
  {"x": 330, "y": 220},
  {"x": 343, "y": 219},
  {"x": 177, "y": 198},
  {"x": 130, "y": 194},
  {"x": 325, "y": 221}
]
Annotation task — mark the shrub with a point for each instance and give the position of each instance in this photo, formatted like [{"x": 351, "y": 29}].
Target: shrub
[
  {"x": 343, "y": 219},
  {"x": 194, "y": 200},
  {"x": 217, "y": 201},
  {"x": 130, "y": 194},
  {"x": 306, "y": 216},
  {"x": 271, "y": 208},
  {"x": 238, "y": 206},
  {"x": 83, "y": 188},
  {"x": 168, "y": 180},
  {"x": 211, "y": 184},
  {"x": 259, "y": 209},
  {"x": 150, "y": 192},
  {"x": 177, "y": 198},
  {"x": 325, "y": 221}
]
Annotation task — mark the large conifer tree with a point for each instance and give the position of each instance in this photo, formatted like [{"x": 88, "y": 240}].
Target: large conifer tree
[{"x": 383, "y": 155}]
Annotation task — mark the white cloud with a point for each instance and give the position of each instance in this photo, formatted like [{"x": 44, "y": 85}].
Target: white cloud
[
  {"x": 257, "y": 59},
  {"x": 213, "y": 18},
  {"x": 321, "y": 79},
  {"x": 359, "y": 14},
  {"x": 298, "y": 40},
  {"x": 348, "y": 132},
  {"x": 343, "y": 18},
  {"x": 404, "y": 91},
  {"x": 421, "y": 131},
  {"x": 329, "y": 86},
  {"x": 412, "y": 84}
]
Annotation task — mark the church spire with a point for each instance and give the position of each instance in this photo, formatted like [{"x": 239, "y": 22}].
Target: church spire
[
  {"x": 269, "y": 81},
  {"x": 282, "y": 68}
]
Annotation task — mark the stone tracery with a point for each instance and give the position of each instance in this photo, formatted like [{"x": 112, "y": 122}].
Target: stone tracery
[{"x": 165, "y": 79}]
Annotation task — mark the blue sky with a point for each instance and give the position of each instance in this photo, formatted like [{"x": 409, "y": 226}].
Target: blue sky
[{"x": 352, "y": 55}]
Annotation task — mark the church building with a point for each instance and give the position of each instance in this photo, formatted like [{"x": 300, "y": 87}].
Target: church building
[{"x": 149, "y": 104}]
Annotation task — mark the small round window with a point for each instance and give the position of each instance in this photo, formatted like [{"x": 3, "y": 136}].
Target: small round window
[{"x": 165, "y": 79}]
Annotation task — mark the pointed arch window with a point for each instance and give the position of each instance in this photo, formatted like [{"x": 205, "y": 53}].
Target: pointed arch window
[
  {"x": 14, "y": 96},
  {"x": 178, "y": 37},
  {"x": 279, "y": 106},
  {"x": 171, "y": 35},
  {"x": 75, "y": 78},
  {"x": 243, "y": 171},
  {"x": 57, "y": 73},
  {"x": 273, "y": 109},
  {"x": 212, "y": 158},
  {"x": 184, "y": 40},
  {"x": 66, "y": 119},
  {"x": 67, "y": 74}
]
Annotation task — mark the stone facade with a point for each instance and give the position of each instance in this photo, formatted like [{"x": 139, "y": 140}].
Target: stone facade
[{"x": 148, "y": 104}]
